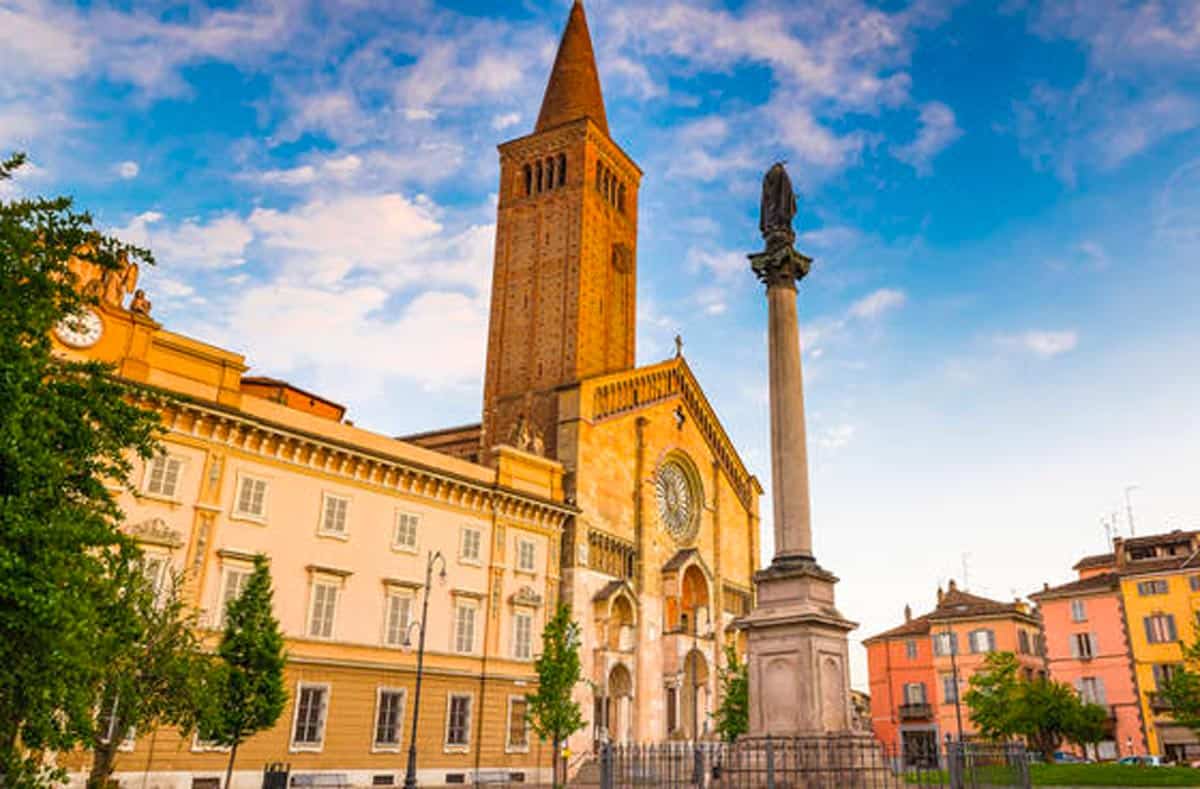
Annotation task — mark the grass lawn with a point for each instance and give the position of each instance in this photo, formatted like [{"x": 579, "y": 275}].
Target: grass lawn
[{"x": 1112, "y": 775}]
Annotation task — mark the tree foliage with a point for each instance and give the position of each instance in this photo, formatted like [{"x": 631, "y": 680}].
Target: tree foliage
[
  {"x": 1003, "y": 704},
  {"x": 554, "y": 715},
  {"x": 247, "y": 693},
  {"x": 733, "y": 715},
  {"x": 68, "y": 433},
  {"x": 1181, "y": 690},
  {"x": 155, "y": 673}
]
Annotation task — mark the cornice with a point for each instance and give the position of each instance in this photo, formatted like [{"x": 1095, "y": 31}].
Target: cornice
[{"x": 308, "y": 452}]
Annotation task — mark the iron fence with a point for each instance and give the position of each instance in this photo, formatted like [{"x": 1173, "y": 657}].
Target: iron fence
[{"x": 819, "y": 762}]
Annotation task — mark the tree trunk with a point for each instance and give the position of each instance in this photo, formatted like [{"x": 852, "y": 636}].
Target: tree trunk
[
  {"x": 554, "y": 767},
  {"x": 229, "y": 769},
  {"x": 103, "y": 757}
]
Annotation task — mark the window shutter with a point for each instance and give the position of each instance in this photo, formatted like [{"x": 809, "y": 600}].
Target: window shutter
[
  {"x": 1075, "y": 646},
  {"x": 1101, "y": 697},
  {"x": 1147, "y": 622},
  {"x": 1093, "y": 643}
]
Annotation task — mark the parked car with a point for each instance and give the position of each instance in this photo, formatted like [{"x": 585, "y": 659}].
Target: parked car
[
  {"x": 1142, "y": 761},
  {"x": 1065, "y": 757}
]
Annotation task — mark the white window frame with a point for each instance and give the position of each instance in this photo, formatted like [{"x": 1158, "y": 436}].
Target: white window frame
[
  {"x": 376, "y": 746},
  {"x": 522, "y": 544},
  {"x": 948, "y": 682},
  {"x": 159, "y": 580},
  {"x": 911, "y": 649},
  {"x": 148, "y": 475},
  {"x": 519, "y": 614},
  {"x": 509, "y": 747},
  {"x": 461, "y": 602},
  {"x": 308, "y": 747},
  {"x": 206, "y": 746},
  {"x": 336, "y": 585},
  {"x": 227, "y": 567},
  {"x": 323, "y": 529},
  {"x": 447, "y": 746},
  {"x": 477, "y": 559},
  {"x": 1078, "y": 610},
  {"x": 908, "y": 686},
  {"x": 1078, "y": 642},
  {"x": 246, "y": 515},
  {"x": 391, "y": 592},
  {"x": 415, "y": 520}
]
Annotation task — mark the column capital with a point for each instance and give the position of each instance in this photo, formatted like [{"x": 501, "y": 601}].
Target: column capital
[{"x": 780, "y": 264}]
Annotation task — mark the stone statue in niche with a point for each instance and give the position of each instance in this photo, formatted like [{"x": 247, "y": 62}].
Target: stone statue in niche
[
  {"x": 527, "y": 438},
  {"x": 778, "y": 206},
  {"x": 117, "y": 283}
]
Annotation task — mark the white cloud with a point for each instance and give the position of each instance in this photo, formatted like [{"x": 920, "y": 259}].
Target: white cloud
[
  {"x": 723, "y": 263},
  {"x": 938, "y": 129},
  {"x": 836, "y": 436},
  {"x": 192, "y": 244},
  {"x": 1043, "y": 344},
  {"x": 506, "y": 120},
  {"x": 128, "y": 170},
  {"x": 339, "y": 168},
  {"x": 878, "y": 303}
]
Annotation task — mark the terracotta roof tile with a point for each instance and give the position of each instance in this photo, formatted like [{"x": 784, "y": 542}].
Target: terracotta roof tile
[
  {"x": 1092, "y": 584},
  {"x": 1096, "y": 560}
]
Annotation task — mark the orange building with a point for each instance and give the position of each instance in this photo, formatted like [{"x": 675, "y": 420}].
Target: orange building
[
  {"x": 1087, "y": 647},
  {"x": 919, "y": 670}
]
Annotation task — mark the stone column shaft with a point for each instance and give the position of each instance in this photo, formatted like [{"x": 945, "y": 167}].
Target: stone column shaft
[{"x": 789, "y": 446}]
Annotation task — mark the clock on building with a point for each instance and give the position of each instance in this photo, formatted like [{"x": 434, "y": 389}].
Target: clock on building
[
  {"x": 676, "y": 497},
  {"x": 82, "y": 330}
]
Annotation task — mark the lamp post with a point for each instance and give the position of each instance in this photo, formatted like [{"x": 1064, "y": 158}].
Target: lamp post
[
  {"x": 410, "y": 775},
  {"x": 952, "y": 645}
]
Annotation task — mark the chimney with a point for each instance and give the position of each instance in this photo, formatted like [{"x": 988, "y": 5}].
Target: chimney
[
  {"x": 1119, "y": 552},
  {"x": 953, "y": 586},
  {"x": 908, "y": 613},
  {"x": 940, "y": 595},
  {"x": 1045, "y": 586}
]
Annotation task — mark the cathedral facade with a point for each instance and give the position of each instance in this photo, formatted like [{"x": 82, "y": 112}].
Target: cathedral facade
[{"x": 588, "y": 479}]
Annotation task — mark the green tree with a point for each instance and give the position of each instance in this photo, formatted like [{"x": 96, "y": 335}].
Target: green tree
[
  {"x": 1003, "y": 704},
  {"x": 1181, "y": 691},
  {"x": 69, "y": 431},
  {"x": 553, "y": 714},
  {"x": 155, "y": 671},
  {"x": 247, "y": 693},
  {"x": 733, "y": 715}
]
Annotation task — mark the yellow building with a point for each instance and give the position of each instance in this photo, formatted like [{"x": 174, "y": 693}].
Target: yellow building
[
  {"x": 613, "y": 487},
  {"x": 1160, "y": 588}
]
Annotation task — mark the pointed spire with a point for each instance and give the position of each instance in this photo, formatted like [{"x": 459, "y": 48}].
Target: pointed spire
[{"x": 574, "y": 88}]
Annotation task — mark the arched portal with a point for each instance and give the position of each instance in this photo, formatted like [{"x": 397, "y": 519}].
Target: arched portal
[
  {"x": 620, "y": 625},
  {"x": 694, "y": 602},
  {"x": 620, "y": 704},
  {"x": 695, "y": 698}
]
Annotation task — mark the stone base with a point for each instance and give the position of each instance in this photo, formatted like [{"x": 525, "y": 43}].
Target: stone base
[{"x": 798, "y": 653}]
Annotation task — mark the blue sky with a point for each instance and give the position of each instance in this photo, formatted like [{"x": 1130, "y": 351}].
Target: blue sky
[{"x": 1000, "y": 329}]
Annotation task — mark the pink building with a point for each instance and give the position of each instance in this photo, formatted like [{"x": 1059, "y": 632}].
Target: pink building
[{"x": 1087, "y": 647}]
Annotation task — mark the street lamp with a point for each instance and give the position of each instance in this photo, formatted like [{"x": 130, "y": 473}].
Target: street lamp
[
  {"x": 410, "y": 775},
  {"x": 951, "y": 642}
]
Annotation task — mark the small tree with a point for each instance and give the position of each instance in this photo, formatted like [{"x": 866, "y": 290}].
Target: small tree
[
  {"x": 155, "y": 671},
  {"x": 553, "y": 714},
  {"x": 733, "y": 715},
  {"x": 1181, "y": 691},
  {"x": 247, "y": 693},
  {"x": 1003, "y": 705},
  {"x": 69, "y": 431}
]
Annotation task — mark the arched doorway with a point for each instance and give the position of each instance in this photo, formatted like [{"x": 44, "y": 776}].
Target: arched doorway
[
  {"x": 621, "y": 635},
  {"x": 620, "y": 704},
  {"x": 694, "y": 695}
]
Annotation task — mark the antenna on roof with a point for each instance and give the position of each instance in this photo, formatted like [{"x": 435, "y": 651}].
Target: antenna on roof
[
  {"x": 1129, "y": 508},
  {"x": 966, "y": 571},
  {"x": 1108, "y": 534}
]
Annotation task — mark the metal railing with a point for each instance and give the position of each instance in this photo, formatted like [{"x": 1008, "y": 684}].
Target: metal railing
[{"x": 818, "y": 762}]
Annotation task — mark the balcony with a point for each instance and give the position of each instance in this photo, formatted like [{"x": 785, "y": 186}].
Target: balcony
[
  {"x": 916, "y": 712},
  {"x": 1158, "y": 704}
]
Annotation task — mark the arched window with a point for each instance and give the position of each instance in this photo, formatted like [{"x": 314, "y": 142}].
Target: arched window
[
  {"x": 607, "y": 185},
  {"x": 539, "y": 177},
  {"x": 528, "y": 180},
  {"x": 599, "y": 180},
  {"x": 549, "y": 174},
  {"x": 562, "y": 169},
  {"x": 621, "y": 198}
]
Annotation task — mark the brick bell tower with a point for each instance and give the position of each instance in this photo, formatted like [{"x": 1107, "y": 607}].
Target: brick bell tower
[{"x": 564, "y": 280}]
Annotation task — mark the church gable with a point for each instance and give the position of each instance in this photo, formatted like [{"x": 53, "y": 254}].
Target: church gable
[{"x": 622, "y": 394}]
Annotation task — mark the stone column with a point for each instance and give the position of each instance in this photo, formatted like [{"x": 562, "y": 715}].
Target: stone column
[
  {"x": 780, "y": 270},
  {"x": 798, "y": 653}
]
